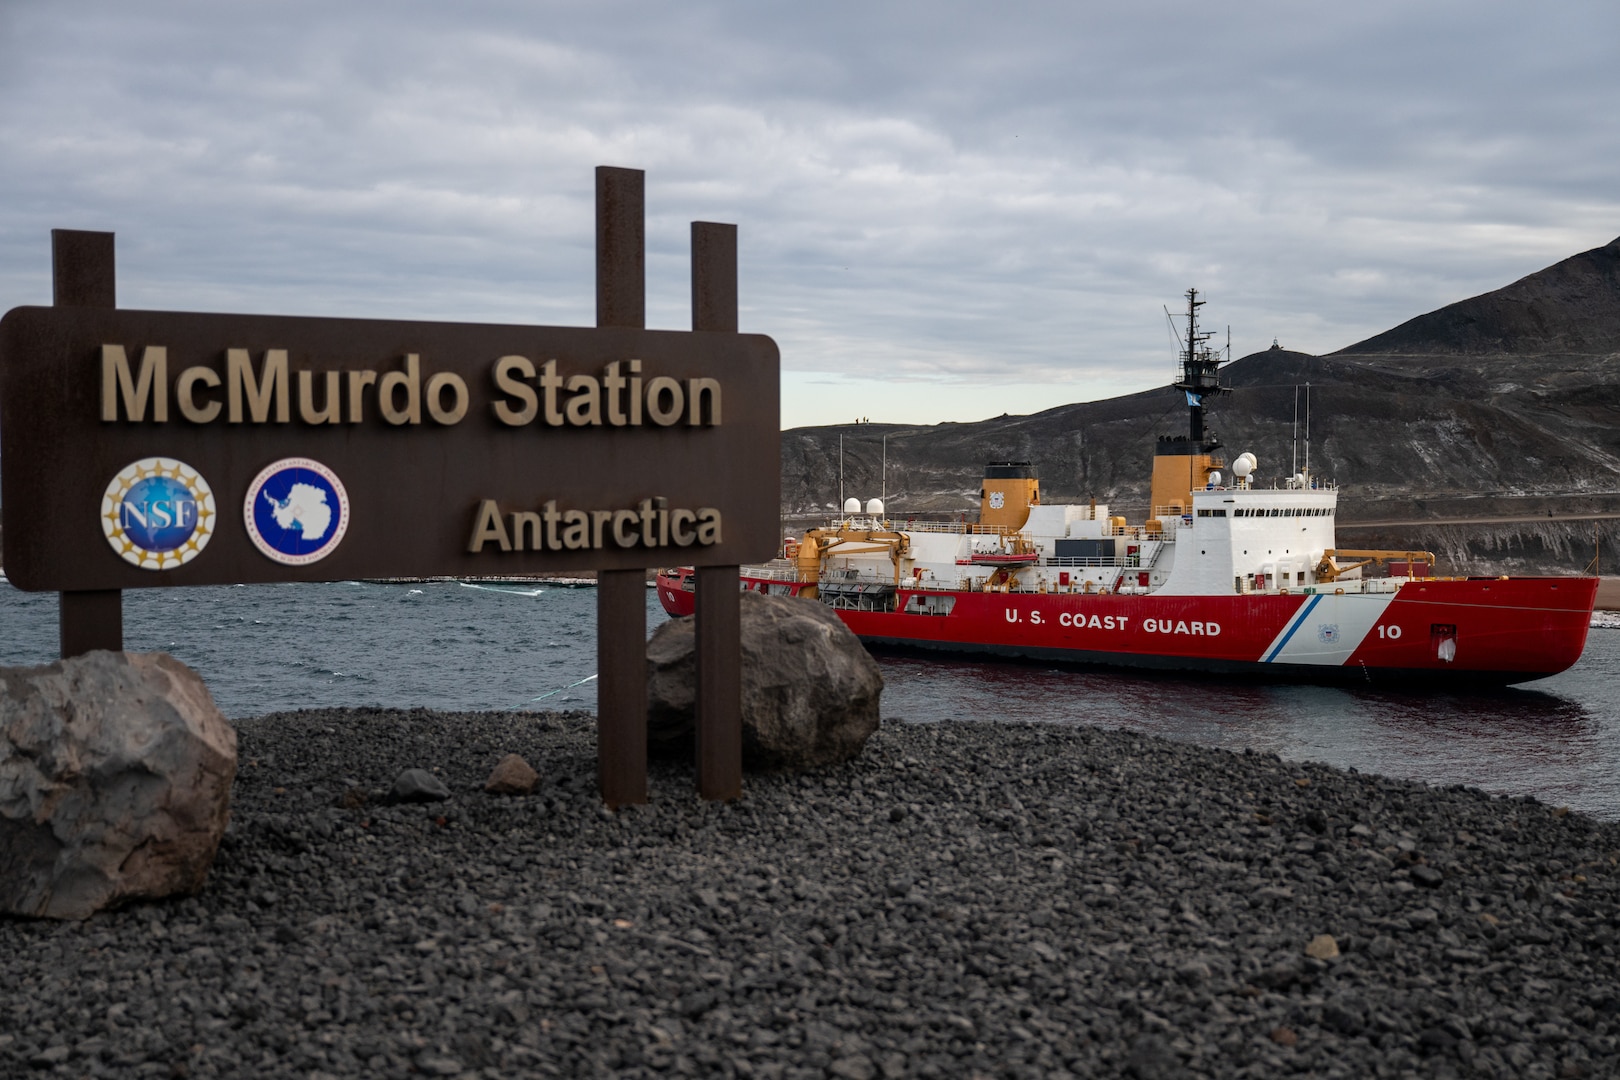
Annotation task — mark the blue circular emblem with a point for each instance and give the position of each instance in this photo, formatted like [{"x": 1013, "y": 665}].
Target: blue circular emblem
[
  {"x": 160, "y": 513},
  {"x": 296, "y": 511},
  {"x": 157, "y": 513}
]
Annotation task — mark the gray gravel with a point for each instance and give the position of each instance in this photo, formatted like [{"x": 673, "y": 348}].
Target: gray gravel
[{"x": 965, "y": 899}]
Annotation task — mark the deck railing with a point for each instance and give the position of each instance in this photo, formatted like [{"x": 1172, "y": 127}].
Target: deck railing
[
  {"x": 958, "y": 528},
  {"x": 1066, "y": 562},
  {"x": 773, "y": 572}
]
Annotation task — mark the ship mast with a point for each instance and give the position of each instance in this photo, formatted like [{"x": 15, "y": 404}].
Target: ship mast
[{"x": 1200, "y": 374}]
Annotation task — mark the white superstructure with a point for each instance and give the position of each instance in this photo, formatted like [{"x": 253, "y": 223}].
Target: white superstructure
[{"x": 1236, "y": 539}]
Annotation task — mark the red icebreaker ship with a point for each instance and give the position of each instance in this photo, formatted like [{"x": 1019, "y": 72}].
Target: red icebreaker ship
[{"x": 1226, "y": 576}]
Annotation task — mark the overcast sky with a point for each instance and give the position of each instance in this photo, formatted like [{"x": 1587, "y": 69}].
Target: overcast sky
[{"x": 947, "y": 211}]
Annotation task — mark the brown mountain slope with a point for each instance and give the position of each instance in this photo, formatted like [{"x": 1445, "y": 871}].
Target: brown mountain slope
[
  {"x": 1387, "y": 433},
  {"x": 1570, "y": 307},
  {"x": 1507, "y": 402}
]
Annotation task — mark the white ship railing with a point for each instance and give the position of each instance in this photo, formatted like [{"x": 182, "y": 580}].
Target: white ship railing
[
  {"x": 856, "y": 577},
  {"x": 772, "y": 573},
  {"x": 1285, "y": 484},
  {"x": 959, "y": 528},
  {"x": 1127, "y": 562},
  {"x": 1142, "y": 532},
  {"x": 1350, "y": 586}
]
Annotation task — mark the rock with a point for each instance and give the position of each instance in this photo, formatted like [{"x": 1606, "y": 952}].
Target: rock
[
  {"x": 1285, "y": 1036},
  {"x": 1279, "y": 976},
  {"x": 853, "y": 1067},
  {"x": 50, "y": 1057},
  {"x": 1427, "y": 876},
  {"x": 1151, "y": 1058},
  {"x": 810, "y": 691},
  {"x": 1193, "y": 973},
  {"x": 1322, "y": 947},
  {"x": 1344, "y": 1015},
  {"x": 115, "y": 783},
  {"x": 512, "y": 776},
  {"x": 416, "y": 786}
]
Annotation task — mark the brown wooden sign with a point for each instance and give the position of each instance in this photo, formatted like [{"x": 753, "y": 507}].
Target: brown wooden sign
[
  {"x": 143, "y": 448},
  {"x": 146, "y": 448}
]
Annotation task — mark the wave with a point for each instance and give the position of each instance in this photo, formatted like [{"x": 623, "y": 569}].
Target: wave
[{"x": 498, "y": 589}]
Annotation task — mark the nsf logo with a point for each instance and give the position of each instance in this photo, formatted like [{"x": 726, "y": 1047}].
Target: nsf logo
[{"x": 158, "y": 513}]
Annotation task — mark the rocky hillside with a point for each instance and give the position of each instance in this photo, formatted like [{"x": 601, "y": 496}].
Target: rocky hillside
[
  {"x": 1570, "y": 307},
  {"x": 1503, "y": 404}
]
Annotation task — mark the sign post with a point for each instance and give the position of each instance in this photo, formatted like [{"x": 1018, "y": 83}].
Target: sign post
[
  {"x": 718, "y": 601},
  {"x": 84, "y": 274},
  {"x": 621, "y": 595},
  {"x": 147, "y": 449}
]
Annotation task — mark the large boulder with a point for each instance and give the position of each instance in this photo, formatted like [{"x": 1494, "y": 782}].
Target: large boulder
[
  {"x": 810, "y": 691},
  {"x": 115, "y": 783}
]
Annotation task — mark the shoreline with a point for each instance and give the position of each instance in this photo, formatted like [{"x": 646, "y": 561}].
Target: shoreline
[
  {"x": 1011, "y": 899},
  {"x": 1608, "y": 591}
]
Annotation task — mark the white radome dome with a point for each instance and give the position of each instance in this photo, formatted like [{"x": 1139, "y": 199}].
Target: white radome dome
[
  {"x": 852, "y": 505},
  {"x": 874, "y": 507}
]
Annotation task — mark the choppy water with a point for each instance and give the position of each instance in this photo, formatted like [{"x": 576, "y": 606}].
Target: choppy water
[
  {"x": 451, "y": 645},
  {"x": 439, "y": 645}
]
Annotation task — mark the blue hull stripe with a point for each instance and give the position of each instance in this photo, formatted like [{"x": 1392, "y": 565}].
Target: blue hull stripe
[{"x": 1293, "y": 628}]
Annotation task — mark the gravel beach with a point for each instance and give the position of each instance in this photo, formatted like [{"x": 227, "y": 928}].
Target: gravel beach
[{"x": 966, "y": 899}]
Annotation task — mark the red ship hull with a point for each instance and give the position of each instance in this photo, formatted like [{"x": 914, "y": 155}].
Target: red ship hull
[{"x": 1473, "y": 631}]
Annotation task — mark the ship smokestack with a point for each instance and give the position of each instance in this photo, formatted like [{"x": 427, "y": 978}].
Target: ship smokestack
[{"x": 1010, "y": 489}]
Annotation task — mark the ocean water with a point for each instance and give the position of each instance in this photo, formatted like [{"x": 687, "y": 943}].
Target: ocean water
[
  {"x": 489, "y": 646},
  {"x": 437, "y": 645}
]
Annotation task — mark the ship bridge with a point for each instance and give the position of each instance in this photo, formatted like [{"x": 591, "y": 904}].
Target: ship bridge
[{"x": 1244, "y": 539}]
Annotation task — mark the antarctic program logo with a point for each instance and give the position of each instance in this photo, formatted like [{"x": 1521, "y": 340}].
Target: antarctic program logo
[
  {"x": 296, "y": 511},
  {"x": 158, "y": 513}
]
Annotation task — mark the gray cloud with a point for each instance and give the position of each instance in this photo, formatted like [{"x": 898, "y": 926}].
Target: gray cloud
[{"x": 931, "y": 196}]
